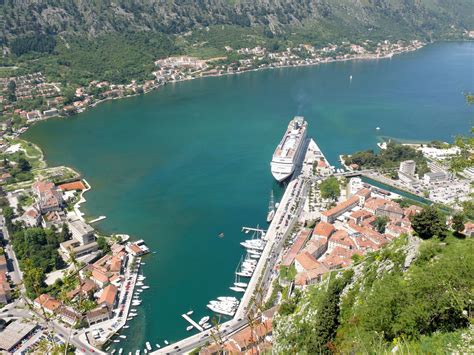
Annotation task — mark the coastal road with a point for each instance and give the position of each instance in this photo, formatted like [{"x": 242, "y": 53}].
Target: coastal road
[
  {"x": 15, "y": 274},
  {"x": 275, "y": 236}
]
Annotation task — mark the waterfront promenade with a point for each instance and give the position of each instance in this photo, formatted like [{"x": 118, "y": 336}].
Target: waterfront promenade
[{"x": 286, "y": 216}]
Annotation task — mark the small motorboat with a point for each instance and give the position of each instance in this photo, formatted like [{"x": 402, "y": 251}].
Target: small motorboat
[
  {"x": 189, "y": 327},
  {"x": 237, "y": 289},
  {"x": 189, "y": 313},
  {"x": 203, "y": 320},
  {"x": 221, "y": 235}
]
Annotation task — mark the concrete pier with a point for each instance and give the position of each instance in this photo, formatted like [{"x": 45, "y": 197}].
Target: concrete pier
[{"x": 193, "y": 323}]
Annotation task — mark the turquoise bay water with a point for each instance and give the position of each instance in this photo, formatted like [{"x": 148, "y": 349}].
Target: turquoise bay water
[{"x": 180, "y": 165}]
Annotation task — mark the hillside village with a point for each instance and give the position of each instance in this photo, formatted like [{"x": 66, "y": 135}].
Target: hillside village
[
  {"x": 88, "y": 292},
  {"x": 26, "y": 99}
]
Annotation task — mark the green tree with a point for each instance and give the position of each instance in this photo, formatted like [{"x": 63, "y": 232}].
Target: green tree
[
  {"x": 33, "y": 279},
  {"x": 8, "y": 214},
  {"x": 330, "y": 188},
  {"x": 64, "y": 234},
  {"x": 458, "y": 222},
  {"x": 23, "y": 164},
  {"x": 381, "y": 223},
  {"x": 11, "y": 91},
  {"x": 429, "y": 223},
  {"x": 103, "y": 244}
]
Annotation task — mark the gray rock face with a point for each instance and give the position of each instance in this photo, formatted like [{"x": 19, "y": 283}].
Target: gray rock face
[
  {"x": 324, "y": 17},
  {"x": 412, "y": 249}
]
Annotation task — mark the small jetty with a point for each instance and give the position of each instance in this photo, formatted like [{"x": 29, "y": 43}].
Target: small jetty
[
  {"x": 100, "y": 218},
  {"x": 193, "y": 323}
]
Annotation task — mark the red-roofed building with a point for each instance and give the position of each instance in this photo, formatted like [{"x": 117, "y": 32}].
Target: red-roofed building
[
  {"x": 373, "y": 203},
  {"x": 339, "y": 257},
  {"x": 99, "y": 314},
  {"x": 412, "y": 210},
  {"x": 99, "y": 277},
  {"x": 134, "y": 249},
  {"x": 316, "y": 247},
  {"x": 322, "y": 163},
  {"x": 72, "y": 186},
  {"x": 358, "y": 216},
  {"x": 341, "y": 239},
  {"x": 109, "y": 296},
  {"x": 324, "y": 230},
  {"x": 296, "y": 247},
  {"x": 31, "y": 217},
  {"x": 331, "y": 215},
  {"x": 391, "y": 209},
  {"x": 49, "y": 198},
  {"x": 46, "y": 302},
  {"x": 249, "y": 338},
  {"x": 312, "y": 276},
  {"x": 304, "y": 261},
  {"x": 394, "y": 230},
  {"x": 364, "y": 195},
  {"x": 69, "y": 315},
  {"x": 3, "y": 263},
  {"x": 366, "y": 244}
]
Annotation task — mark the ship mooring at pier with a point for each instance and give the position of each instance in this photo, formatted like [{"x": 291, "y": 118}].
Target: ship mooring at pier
[{"x": 255, "y": 272}]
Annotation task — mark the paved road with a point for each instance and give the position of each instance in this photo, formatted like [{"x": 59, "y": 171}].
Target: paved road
[
  {"x": 16, "y": 275},
  {"x": 262, "y": 274}
]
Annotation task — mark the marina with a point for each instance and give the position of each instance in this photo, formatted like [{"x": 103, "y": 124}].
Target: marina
[
  {"x": 192, "y": 322},
  {"x": 255, "y": 128}
]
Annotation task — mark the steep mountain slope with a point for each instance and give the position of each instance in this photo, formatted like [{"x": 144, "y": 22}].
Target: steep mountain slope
[
  {"x": 413, "y": 295},
  {"x": 176, "y": 16}
]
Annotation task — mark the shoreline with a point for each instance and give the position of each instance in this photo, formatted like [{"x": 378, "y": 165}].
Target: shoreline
[
  {"x": 269, "y": 67},
  {"x": 77, "y": 205}
]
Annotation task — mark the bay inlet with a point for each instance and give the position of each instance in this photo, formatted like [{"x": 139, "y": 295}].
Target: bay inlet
[{"x": 180, "y": 165}]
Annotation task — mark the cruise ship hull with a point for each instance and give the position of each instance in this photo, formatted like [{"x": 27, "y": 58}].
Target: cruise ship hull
[
  {"x": 289, "y": 151},
  {"x": 280, "y": 177}
]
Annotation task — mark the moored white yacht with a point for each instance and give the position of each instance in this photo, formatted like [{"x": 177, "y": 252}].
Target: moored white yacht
[{"x": 237, "y": 289}]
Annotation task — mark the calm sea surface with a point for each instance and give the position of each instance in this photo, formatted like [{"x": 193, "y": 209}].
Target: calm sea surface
[{"x": 180, "y": 165}]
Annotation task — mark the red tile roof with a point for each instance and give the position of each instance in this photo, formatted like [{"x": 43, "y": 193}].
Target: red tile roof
[
  {"x": 343, "y": 206},
  {"x": 296, "y": 247},
  {"x": 73, "y": 186},
  {"x": 108, "y": 295},
  {"x": 48, "y": 302},
  {"x": 373, "y": 203},
  {"x": 324, "y": 229},
  {"x": 341, "y": 237},
  {"x": 307, "y": 261}
]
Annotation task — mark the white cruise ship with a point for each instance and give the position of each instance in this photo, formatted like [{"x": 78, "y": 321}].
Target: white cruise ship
[{"x": 290, "y": 150}]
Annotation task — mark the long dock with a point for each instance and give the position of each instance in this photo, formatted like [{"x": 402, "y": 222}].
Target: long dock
[
  {"x": 193, "y": 323},
  {"x": 289, "y": 210}
]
